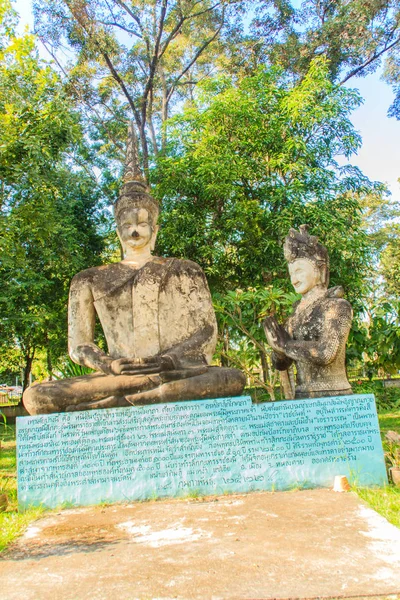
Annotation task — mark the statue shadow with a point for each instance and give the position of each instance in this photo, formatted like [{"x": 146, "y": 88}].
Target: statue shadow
[{"x": 36, "y": 551}]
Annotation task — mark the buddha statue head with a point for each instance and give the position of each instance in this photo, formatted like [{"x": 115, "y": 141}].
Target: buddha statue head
[
  {"x": 136, "y": 211},
  {"x": 307, "y": 259}
]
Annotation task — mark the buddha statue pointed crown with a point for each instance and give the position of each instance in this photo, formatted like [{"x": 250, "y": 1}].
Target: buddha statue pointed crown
[
  {"x": 300, "y": 244},
  {"x": 135, "y": 192}
]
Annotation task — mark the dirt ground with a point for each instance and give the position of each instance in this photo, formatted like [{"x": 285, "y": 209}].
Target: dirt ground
[{"x": 302, "y": 544}]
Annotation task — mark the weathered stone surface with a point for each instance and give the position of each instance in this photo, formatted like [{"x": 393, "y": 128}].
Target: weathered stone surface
[
  {"x": 315, "y": 335},
  {"x": 157, "y": 317}
]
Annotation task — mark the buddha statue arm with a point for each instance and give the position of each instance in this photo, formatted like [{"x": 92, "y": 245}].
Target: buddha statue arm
[
  {"x": 81, "y": 323},
  {"x": 334, "y": 334}
]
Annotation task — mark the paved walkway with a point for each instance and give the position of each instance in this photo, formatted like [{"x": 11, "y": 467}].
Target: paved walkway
[{"x": 303, "y": 544}]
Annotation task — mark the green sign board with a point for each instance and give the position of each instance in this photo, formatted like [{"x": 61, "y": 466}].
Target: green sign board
[{"x": 205, "y": 447}]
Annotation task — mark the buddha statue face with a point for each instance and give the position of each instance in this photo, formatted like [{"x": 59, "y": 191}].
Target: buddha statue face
[
  {"x": 304, "y": 275},
  {"x": 136, "y": 230}
]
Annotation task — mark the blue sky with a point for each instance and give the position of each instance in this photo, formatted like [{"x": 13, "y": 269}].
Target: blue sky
[{"x": 379, "y": 156}]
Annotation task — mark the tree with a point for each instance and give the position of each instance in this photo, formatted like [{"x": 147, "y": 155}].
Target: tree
[
  {"x": 245, "y": 163},
  {"x": 49, "y": 215},
  {"x": 242, "y": 341},
  {"x": 390, "y": 262},
  {"x": 392, "y": 76},
  {"x": 353, "y": 35},
  {"x": 381, "y": 215},
  {"x": 249, "y": 161},
  {"x": 132, "y": 58}
]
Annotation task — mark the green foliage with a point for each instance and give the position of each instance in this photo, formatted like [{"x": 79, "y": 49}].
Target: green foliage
[
  {"x": 390, "y": 262},
  {"x": 36, "y": 121},
  {"x": 381, "y": 216},
  {"x": 352, "y": 34},
  {"x": 248, "y": 162},
  {"x": 374, "y": 340},
  {"x": 71, "y": 369},
  {"x": 11, "y": 363},
  {"x": 387, "y": 398},
  {"x": 392, "y": 453},
  {"x": 241, "y": 341},
  {"x": 384, "y": 336},
  {"x": 392, "y": 76},
  {"x": 49, "y": 219}
]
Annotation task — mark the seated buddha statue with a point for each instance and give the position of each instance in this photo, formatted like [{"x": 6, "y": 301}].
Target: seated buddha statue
[
  {"x": 157, "y": 317},
  {"x": 315, "y": 335}
]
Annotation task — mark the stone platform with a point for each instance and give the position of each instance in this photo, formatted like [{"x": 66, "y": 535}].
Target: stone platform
[
  {"x": 217, "y": 446},
  {"x": 302, "y": 544}
]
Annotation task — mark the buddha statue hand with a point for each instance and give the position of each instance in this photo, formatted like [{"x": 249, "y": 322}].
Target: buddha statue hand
[{"x": 141, "y": 366}]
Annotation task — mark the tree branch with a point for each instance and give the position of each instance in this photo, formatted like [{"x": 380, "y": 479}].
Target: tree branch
[
  {"x": 115, "y": 24},
  {"x": 109, "y": 63},
  {"x": 130, "y": 13},
  {"x": 82, "y": 99},
  {"x": 181, "y": 21},
  {"x": 118, "y": 24},
  {"x": 154, "y": 61},
  {"x": 194, "y": 59},
  {"x": 370, "y": 60},
  {"x": 123, "y": 87}
]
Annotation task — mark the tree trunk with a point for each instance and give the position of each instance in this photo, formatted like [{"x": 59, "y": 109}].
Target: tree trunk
[
  {"x": 153, "y": 136},
  {"x": 145, "y": 150},
  {"x": 264, "y": 366},
  {"x": 27, "y": 369},
  {"x": 224, "y": 359},
  {"x": 164, "y": 107},
  {"x": 49, "y": 363},
  {"x": 151, "y": 124},
  {"x": 286, "y": 384}
]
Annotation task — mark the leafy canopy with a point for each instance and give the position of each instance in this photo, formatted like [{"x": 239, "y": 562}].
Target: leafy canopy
[
  {"x": 49, "y": 214},
  {"x": 246, "y": 162}
]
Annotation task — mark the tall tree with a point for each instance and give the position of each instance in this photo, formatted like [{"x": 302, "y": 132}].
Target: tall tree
[
  {"x": 353, "y": 35},
  {"x": 49, "y": 208},
  {"x": 249, "y": 161},
  {"x": 382, "y": 216},
  {"x": 133, "y": 57}
]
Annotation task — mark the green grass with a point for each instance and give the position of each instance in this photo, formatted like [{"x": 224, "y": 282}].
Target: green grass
[
  {"x": 12, "y": 522},
  {"x": 387, "y": 398},
  {"x": 389, "y": 421},
  {"x": 385, "y": 501}
]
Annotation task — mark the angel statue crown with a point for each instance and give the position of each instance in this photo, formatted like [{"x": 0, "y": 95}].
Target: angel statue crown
[{"x": 300, "y": 244}]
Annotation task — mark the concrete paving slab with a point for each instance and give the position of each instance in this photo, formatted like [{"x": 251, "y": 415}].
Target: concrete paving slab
[{"x": 302, "y": 544}]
